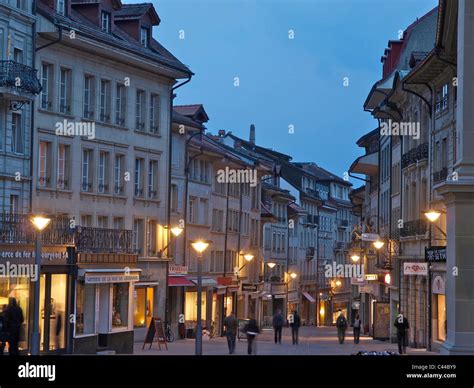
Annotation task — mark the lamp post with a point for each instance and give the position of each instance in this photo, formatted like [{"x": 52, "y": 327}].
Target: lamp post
[
  {"x": 291, "y": 276},
  {"x": 40, "y": 223},
  {"x": 199, "y": 246},
  {"x": 432, "y": 216}
]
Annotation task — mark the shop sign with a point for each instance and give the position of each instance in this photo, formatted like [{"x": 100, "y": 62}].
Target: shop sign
[
  {"x": 369, "y": 237},
  {"x": 278, "y": 289},
  {"x": 249, "y": 287},
  {"x": 371, "y": 276},
  {"x": 178, "y": 269},
  {"x": 358, "y": 281},
  {"x": 415, "y": 268},
  {"x": 111, "y": 278},
  {"x": 26, "y": 253},
  {"x": 435, "y": 254},
  {"x": 438, "y": 285}
]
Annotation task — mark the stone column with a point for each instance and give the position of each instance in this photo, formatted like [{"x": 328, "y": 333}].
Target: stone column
[{"x": 459, "y": 196}]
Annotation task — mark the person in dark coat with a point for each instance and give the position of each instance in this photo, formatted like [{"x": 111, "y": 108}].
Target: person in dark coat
[
  {"x": 13, "y": 320},
  {"x": 251, "y": 329},
  {"x": 295, "y": 327},
  {"x": 3, "y": 331},
  {"x": 231, "y": 326},
  {"x": 278, "y": 322},
  {"x": 401, "y": 323},
  {"x": 356, "y": 327},
  {"x": 341, "y": 324}
]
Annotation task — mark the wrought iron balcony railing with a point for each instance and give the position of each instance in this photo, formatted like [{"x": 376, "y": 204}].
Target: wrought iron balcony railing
[
  {"x": 441, "y": 175},
  {"x": 310, "y": 251},
  {"x": 19, "y": 77},
  {"x": 414, "y": 228},
  {"x": 415, "y": 155},
  {"x": 94, "y": 240}
]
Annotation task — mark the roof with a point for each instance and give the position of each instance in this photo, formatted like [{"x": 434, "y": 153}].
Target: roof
[
  {"x": 364, "y": 138},
  {"x": 195, "y": 111},
  {"x": 321, "y": 173},
  {"x": 119, "y": 38},
  {"x": 136, "y": 11}
]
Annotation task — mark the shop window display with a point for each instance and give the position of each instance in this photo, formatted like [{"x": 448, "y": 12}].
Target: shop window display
[{"x": 120, "y": 305}]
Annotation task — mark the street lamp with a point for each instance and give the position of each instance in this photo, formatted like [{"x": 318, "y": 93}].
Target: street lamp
[
  {"x": 176, "y": 231},
  {"x": 378, "y": 244},
  {"x": 355, "y": 257},
  {"x": 291, "y": 275},
  {"x": 271, "y": 265},
  {"x": 199, "y": 246},
  {"x": 432, "y": 215},
  {"x": 40, "y": 223}
]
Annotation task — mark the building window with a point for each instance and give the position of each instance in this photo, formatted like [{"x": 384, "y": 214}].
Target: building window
[
  {"x": 193, "y": 210},
  {"x": 21, "y": 4},
  {"x": 17, "y": 133},
  {"x": 14, "y": 201},
  {"x": 85, "y": 308},
  {"x": 87, "y": 163},
  {"x": 119, "y": 223},
  {"x": 138, "y": 233},
  {"x": 139, "y": 163},
  {"x": 217, "y": 220},
  {"x": 47, "y": 72},
  {"x": 120, "y": 294},
  {"x": 119, "y": 165},
  {"x": 18, "y": 55},
  {"x": 65, "y": 91},
  {"x": 105, "y": 100},
  {"x": 152, "y": 179},
  {"x": 86, "y": 220},
  {"x": 62, "y": 179},
  {"x": 144, "y": 36},
  {"x": 60, "y": 7},
  {"x": 174, "y": 198},
  {"x": 120, "y": 105},
  {"x": 203, "y": 211},
  {"x": 102, "y": 222},
  {"x": 140, "y": 110},
  {"x": 442, "y": 98},
  {"x": 104, "y": 160},
  {"x": 105, "y": 21},
  {"x": 89, "y": 96},
  {"x": 44, "y": 165},
  {"x": 154, "y": 114}
]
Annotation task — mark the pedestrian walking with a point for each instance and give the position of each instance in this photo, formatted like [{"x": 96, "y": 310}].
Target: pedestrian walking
[
  {"x": 278, "y": 322},
  {"x": 357, "y": 326},
  {"x": 13, "y": 317},
  {"x": 3, "y": 331},
  {"x": 231, "y": 325},
  {"x": 341, "y": 324},
  {"x": 251, "y": 329},
  {"x": 295, "y": 327},
  {"x": 401, "y": 323}
]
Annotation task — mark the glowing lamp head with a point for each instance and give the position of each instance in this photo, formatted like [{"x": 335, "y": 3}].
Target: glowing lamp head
[
  {"x": 432, "y": 215},
  {"x": 387, "y": 278},
  {"x": 293, "y": 275},
  {"x": 338, "y": 283},
  {"x": 271, "y": 265},
  {"x": 248, "y": 257},
  {"x": 176, "y": 231},
  {"x": 355, "y": 257},
  {"x": 40, "y": 223},
  {"x": 200, "y": 245},
  {"x": 378, "y": 244}
]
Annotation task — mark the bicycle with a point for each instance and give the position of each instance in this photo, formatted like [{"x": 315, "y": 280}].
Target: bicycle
[{"x": 169, "y": 333}]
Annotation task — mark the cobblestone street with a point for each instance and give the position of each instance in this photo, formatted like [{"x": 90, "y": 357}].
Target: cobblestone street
[{"x": 313, "y": 341}]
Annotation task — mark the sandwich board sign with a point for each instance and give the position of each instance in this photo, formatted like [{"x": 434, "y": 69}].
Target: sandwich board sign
[{"x": 155, "y": 329}]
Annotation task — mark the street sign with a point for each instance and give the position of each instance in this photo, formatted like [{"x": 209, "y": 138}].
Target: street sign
[
  {"x": 178, "y": 269},
  {"x": 415, "y": 268},
  {"x": 435, "y": 254},
  {"x": 249, "y": 287},
  {"x": 369, "y": 237},
  {"x": 371, "y": 276}
]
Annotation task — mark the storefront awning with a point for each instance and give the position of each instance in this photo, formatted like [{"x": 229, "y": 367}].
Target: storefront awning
[
  {"x": 205, "y": 281},
  {"x": 220, "y": 289},
  {"x": 309, "y": 297},
  {"x": 179, "y": 281},
  {"x": 109, "y": 275}
]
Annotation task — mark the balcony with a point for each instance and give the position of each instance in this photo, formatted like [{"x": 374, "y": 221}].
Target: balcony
[
  {"x": 18, "y": 229},
  {"x": 311, "y": 219},
  {"x": 414, "y": 228},
  {"x": 310, "y": 251},
  {"x": 415, "y": 155},
  {"x": 342, "y": 223},
  {"x": 440, "y": 176},
  {"x": 341, "y": 246},
  {"x": 18, "y": 81},
  {"x": 96, "y": 240}
]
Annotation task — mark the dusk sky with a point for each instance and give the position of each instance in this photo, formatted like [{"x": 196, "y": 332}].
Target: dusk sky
[{"x": 286, "y": 81}]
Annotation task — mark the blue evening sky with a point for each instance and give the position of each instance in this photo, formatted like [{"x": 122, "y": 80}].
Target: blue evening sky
[{"x": 286, "y": 82}]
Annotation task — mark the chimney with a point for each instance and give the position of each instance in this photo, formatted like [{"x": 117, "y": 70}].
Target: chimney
[{"x": 252, "y": 134}]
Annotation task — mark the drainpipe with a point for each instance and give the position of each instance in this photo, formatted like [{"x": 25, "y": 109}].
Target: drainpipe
[{"x": 168, "y": 208}]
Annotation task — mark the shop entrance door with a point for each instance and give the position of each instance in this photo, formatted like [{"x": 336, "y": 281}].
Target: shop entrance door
[{"x": 53, "y": 291}]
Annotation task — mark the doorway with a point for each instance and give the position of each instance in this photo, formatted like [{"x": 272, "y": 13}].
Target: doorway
[{"x": 53, "y": 304}]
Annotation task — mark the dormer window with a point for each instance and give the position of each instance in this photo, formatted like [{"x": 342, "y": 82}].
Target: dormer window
[
  {"x": 105, "y": 21},
  {"x": 144, "y": 36},
  {"x": 60, "y": 6}
]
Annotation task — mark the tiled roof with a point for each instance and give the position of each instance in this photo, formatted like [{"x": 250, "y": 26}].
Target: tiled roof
[
  {"x": 119, "y": 38},
  {"x": 132, "y": 11},
  {"x": 187, "y": 110}
]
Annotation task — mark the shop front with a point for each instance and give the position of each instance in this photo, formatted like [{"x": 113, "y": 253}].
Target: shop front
[
  {"x": 104, "y": 313},
  {"x": 209, "y": 307},
  {"x": 18, "y": 273},
  {"x": 438, "y": 287},
  {"x": 177, "y": 287},
  {"x": 308, "y": 308}
]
